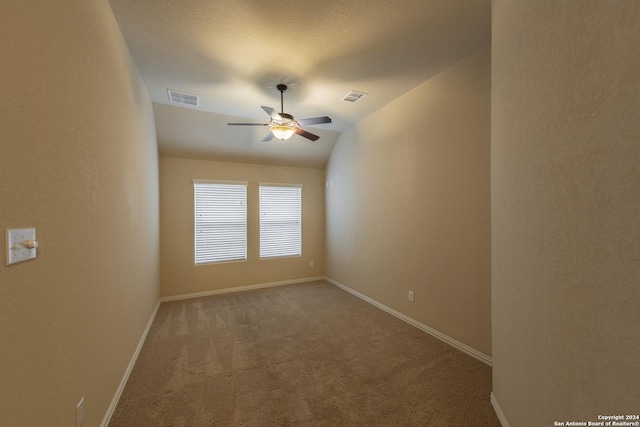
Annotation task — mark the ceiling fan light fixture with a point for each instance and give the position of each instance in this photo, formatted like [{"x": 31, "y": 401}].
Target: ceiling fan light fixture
[{"x": 282, "y": 132}]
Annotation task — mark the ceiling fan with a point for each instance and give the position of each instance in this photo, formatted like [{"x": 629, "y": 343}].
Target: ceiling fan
[{"x": 283, "y": 125}]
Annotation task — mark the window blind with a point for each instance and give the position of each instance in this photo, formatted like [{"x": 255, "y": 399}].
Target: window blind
[
  {"x": 280, "y": 221},
  {"x": 220, "y": 221}
]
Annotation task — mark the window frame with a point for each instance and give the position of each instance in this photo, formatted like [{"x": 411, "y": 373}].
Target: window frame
[
  {"x": 260, "y": 220},
  {"x": 229, "y": 259}
]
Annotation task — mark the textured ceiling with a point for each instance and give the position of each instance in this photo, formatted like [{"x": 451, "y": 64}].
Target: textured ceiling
[{"x": 233, "y": 53}]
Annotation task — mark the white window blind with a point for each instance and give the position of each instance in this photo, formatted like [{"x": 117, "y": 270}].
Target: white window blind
[
  {"x": 220, "y": 221},
  {"x": 280, "y": 221}
]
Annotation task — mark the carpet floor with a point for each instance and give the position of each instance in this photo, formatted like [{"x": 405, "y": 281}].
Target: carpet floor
[{"x": 300, "y": 355}]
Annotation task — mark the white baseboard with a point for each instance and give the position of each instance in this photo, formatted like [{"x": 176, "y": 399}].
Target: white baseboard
[
  {"x": 452, "y": 342},
  {"x": 498, "y": 410},
  {"x": 241, "y": 288},
  {"x": 132, "y": 362}
]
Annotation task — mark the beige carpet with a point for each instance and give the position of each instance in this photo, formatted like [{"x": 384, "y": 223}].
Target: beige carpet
[{"x": 300, "y": 355}]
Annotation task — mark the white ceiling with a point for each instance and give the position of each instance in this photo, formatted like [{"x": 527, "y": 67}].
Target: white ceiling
[{"x": 233, "y": 53}]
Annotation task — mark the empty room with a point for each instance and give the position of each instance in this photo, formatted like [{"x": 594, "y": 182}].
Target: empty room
[{"x": 251, "y": 213}]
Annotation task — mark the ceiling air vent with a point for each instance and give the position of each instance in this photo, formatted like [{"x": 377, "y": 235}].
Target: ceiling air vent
[
  {"x": 183, "y": 98},
  {"x": 354, "y": 96}
]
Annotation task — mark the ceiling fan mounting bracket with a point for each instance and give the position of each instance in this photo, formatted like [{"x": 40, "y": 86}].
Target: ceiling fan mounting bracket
[{"x": 281, "y": 87}]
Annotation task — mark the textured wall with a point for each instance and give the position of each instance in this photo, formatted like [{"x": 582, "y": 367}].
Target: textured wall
[
  {"x": 78, "y": 161},
  {"x": 180, "y": 275},
  {"x": 409, "y": 204},
  {"x": 565, "y": 209}
]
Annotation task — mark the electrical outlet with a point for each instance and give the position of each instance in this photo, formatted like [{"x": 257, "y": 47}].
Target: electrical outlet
[
  {"x": 80, "y": 413},
  {"x": 410, "y": 296},
  {"x": 311, "y": 263}
]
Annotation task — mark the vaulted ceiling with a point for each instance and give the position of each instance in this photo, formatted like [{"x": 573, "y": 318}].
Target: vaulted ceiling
[{"x": 233, "y": 53}]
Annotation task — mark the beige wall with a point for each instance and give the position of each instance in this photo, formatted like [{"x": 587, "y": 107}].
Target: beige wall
[
  {"x": 566, "y": 210},
  {"x": 78, "y": 161},
  {"x": 409, "y": 204},
  {"x": 180, "y": 275}
]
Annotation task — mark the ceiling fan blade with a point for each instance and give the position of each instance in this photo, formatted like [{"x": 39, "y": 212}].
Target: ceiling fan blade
[
  {"x": 307, "y": 135},
  {"x": 267, "y": 138},
  {"x": 314, "y": 121},
  {"x": 271, "y": 112},
  {"x": 248, "y": 124}
]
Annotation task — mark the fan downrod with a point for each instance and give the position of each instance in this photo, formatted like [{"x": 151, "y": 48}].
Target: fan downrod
[{"x": 281, "y": 88}]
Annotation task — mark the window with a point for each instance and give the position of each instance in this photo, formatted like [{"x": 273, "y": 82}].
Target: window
[
  {"x": 220, "y": 221},
  {"x": 280, "y": 220}
]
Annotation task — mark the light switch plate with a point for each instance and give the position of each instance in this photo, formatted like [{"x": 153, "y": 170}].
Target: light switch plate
[{"x": 15, "y": 250}]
